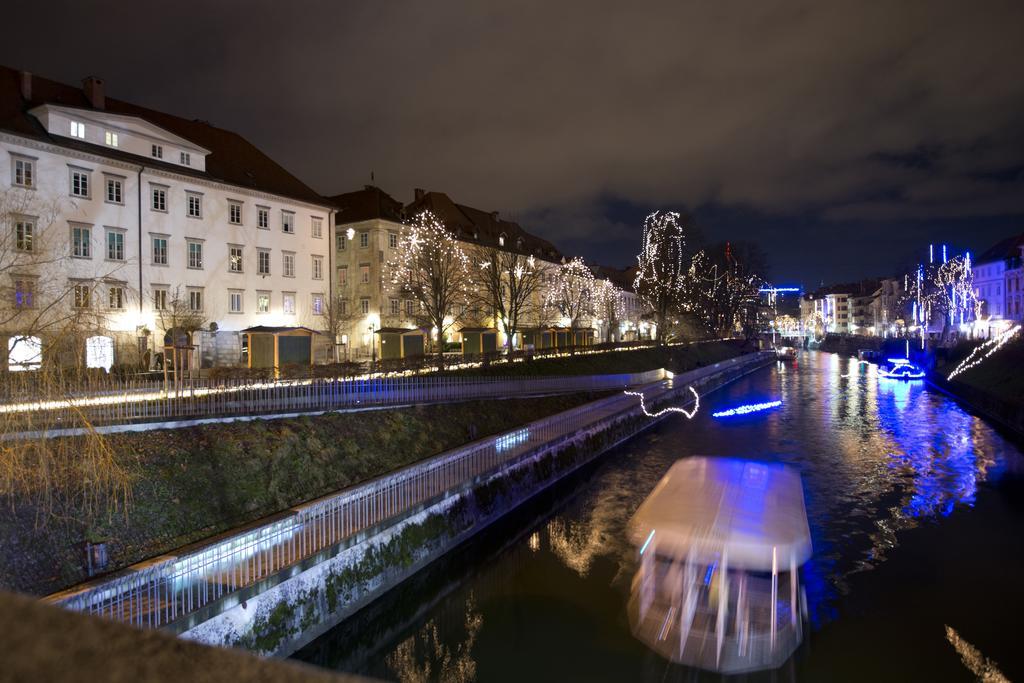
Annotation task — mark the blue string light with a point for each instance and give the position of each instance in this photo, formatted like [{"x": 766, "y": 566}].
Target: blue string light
[{"x": 747, "y": 410}]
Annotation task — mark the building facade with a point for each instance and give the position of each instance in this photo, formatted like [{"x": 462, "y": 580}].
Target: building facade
[
  {"x": 142, "y": 222},
  {"x": 998, "y": 276},
  {"x": 373, "y": 309}
]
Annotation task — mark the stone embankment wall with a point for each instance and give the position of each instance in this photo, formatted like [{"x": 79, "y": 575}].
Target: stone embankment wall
[{"x": 280, "y": 618}]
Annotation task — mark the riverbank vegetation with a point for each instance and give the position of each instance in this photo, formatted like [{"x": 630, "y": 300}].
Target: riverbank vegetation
[{"x": 194, "y": 482}]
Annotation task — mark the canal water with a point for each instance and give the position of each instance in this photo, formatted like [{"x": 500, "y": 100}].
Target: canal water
[{"x": 916, "y": 511}]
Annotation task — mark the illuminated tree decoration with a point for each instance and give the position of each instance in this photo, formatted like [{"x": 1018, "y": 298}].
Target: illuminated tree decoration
[
  {"x": 571, "y": 294},
  {"x": 941, "y": 291},
  {"x": 430, "y": 265},
  {"x": 507, "y": 283},
  {"x": 610, "y": 304},
  {"x": 664, "y": 266}
]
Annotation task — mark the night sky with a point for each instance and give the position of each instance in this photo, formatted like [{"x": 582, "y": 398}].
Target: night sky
[{"x": 842, "y": 137}]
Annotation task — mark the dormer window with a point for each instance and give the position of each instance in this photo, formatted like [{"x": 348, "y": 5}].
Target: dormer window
[
  {"x": 111, "y": 139},
  {"x": 186, "y": 159},
  {"x": 78, "y": 130},
  {"x": 501, "y": 240},
  {"x": 157, "y": 151}
]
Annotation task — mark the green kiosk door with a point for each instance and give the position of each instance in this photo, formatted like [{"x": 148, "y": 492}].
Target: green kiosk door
[{"x": 412, "y": 345}]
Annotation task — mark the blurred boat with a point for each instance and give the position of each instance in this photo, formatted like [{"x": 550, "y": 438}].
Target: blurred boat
[
  {"x": 720, "y": 544},
  {"x": 785, "y": 352}
]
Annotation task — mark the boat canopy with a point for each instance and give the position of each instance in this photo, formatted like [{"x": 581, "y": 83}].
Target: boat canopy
[{"x": 705, "y": 507}]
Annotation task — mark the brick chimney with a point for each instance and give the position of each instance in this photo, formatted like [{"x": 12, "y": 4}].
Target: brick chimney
[
  {"x": 418, "y": 193},
  {"x": 494, "y": 216},
  {"x": 93, "y": 88},
  {"x": 26, "y": 86}
]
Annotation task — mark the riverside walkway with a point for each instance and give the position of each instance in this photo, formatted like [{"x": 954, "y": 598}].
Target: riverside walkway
[{"x": 162, "y": 591}]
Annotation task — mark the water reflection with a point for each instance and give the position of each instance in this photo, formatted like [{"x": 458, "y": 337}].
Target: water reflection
[
  {"x": 878, "y": 458},
  {"x": 427, "y": 656}
]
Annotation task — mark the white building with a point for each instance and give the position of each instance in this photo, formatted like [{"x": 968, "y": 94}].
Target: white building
[
  {"x": 998, "y": 284},
  {"x": 154, "y": 214}
]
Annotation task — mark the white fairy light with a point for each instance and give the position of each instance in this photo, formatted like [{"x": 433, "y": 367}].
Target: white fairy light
[
  {"x": 993, "y": 345},
  {"x": 689, "y": 414}
]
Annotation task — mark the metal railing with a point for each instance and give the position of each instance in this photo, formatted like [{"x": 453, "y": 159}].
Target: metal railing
[
  {"x": 134, "y": 402},
  {"x": 160, "y": 591}
]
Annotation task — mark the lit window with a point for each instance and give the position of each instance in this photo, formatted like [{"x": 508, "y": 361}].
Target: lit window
[
  {"x": 24, "y": 232},
  {"x": 81, "y": 242},
  {"x": 186, "y": 159},
  {"x": 111, "y": 139},
  {"x": 24, "y": 172},
  {"x": 115, "y": 245},
  {"x": 392, "y": 240},
  {"x": 160, "y": 299},
  {"x": 195, "y": 206},
  {"x": 156, "y": 151},
  {"x": 318, "y": 267},
  {"x": 342, "y": 276},
  {"x": 195, "y": 299},
  {"x": 263, "y": 217},
  {"x": 115, "y": 297},
  {"x": 82, "y": 296},
  {"x": 318, "y": 304},
  {"x": 24, "y": 353},
  {"x": 364, "y": 240},
  {"x": 288, "y": 302},
  {"x": 24, "y": 293},
  {"x": 235, "y": 259},
  {"x": 235, "y": 213},
  {"x": 79, "y": 183},
  {"x": 364, "y": 274},
  {"x": 263, "y": 302},
  {"x": 288, "y": 221},
  {"x": 317, "y": 226},
  {"x": 160, "y": 251},
  {"x": 159, "y": 199},
  {"x": 364, "y": 305},
  {"x": 195, "y": 255},
  {"x": 288, "y": 264},
  {"x": 78, "y": 130},
  {"x": 263, "y": 262},
  {"x": 501, "y": 240},
  {"x": 234, "y": 301},
  {"x": 115, "y": 191},
  {"x": 396, "y": 307}
]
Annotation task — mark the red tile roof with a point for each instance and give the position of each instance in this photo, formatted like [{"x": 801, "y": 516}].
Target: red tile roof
[{"x": 232, "y": 159}]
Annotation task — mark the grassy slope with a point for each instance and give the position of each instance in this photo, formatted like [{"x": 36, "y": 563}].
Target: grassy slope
[
  {"x": 194, "y": 482},
  {"x": 1001, "y": 374}
]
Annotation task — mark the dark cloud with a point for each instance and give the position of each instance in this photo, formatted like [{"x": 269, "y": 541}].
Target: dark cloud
[{"x": 868, "y": 117}]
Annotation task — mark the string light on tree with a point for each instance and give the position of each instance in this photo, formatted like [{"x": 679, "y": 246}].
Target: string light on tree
[{"x": 989, "y": 347}]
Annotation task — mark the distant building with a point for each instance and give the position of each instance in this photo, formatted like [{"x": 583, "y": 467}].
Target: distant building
[{"x": 999, "y": 284}]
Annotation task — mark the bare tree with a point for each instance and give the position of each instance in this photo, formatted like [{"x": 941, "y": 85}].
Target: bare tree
[
  {"x": 179, "y": 319},
  {"x": 571, "y": 294},
  {"x": 337, "y": 320},
  {"x": 431, "y": 266},
  {"x": 506, "y": 283},
  {"x": 47, "y": 315}
]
